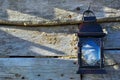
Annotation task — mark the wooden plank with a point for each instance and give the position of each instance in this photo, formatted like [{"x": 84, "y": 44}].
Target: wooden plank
[
  {"x": 112, "y": 38},
  {"x": 49, "y": 41},
  {"x": 54, "y": 22},
  {"x": 40, "y": 41},
  {"x": 38, "y": 69},
  {"x": 112, "y": 56},
  {"x": 52, "y": 12},
  {"x": 48, "y": 69}
]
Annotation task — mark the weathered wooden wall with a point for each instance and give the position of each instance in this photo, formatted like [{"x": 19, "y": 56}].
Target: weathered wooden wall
[{"x": 53, "y": 41}]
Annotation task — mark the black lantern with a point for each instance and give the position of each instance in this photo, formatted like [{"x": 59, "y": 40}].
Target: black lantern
[{"x": 90, "y": 54}]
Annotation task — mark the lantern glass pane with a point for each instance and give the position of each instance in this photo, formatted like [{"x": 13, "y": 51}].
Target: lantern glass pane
[{"x": 91, "y": 51}]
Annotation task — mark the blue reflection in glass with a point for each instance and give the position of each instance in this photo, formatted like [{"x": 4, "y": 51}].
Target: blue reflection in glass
[{"x": 91, "y": 52}]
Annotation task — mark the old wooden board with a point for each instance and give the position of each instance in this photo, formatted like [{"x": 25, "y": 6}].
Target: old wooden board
[
  {"x": 45, "y": 41},
  {"x": 39, "y": 41},
  {"x": 38, "y": 69},
  {"x": 52, "y": 12},
  {"x": 112, "y": 57},
  {"x": 112, "y": 38},
  {"x": 51, "y": 69}
]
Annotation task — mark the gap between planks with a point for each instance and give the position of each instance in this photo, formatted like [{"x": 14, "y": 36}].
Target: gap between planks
[{"x": 62, "y": 57}]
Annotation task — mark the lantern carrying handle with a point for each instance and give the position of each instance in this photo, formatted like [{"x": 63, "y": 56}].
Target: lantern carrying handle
[{"x": 88, "y": 12}]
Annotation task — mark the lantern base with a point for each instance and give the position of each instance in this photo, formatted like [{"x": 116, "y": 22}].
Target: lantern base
[{"x": 91, "y": 71}]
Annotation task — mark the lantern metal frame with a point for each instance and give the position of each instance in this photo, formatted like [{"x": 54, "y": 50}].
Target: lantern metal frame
[{"x": 86, "y": 32}]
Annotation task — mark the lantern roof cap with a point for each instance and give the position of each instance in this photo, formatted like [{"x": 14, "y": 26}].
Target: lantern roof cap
[{"x": 91, "y": 34}]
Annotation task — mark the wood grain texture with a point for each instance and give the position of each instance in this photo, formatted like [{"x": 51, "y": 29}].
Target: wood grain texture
[
  {"x": 49, "y": 41},
  {"x": 51, "y": 69},
  {"x": 54, "y": 40},
  {"x": 40, "y": 41},
  {"x": 112, "y": 38},
  {"x": 52, "y": 12},
  {"x": 113, "y": 56},
  {"x": 54, "y": 22},
  {"x": 38, "y": 69}
]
